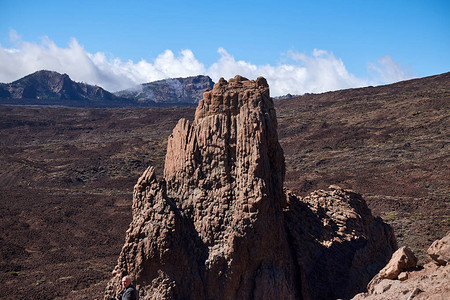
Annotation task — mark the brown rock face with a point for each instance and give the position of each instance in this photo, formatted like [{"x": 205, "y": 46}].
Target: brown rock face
[
  {"x": 338, "y": 245},
  {"x": 439, "y": 251},
  {"x": 220, "y": 226}
]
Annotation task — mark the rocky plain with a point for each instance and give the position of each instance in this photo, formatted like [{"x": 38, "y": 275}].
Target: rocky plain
[{"x": 68, "y": 174}]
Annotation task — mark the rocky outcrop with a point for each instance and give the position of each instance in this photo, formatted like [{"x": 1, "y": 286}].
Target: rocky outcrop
[
  {"x": 219, "y": 225},
  {"x": 338, "y": 245},
  {"x": 402, "y": 279},
  {"x": 169, "y": 91}
]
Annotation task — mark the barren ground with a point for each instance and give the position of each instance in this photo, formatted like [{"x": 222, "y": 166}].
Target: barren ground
[{"x": 67, "y": 175}]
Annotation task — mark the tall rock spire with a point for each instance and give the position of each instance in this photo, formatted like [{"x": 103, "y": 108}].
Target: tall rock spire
[
  {"x": 218, "y": 225},
  {"x": 214, "y": 227},
  {"x": 225, "y": 172}
]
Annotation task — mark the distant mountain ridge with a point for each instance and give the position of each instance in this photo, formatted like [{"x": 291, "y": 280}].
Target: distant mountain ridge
[
  {"x": 187, "y": 90},
  {"x": 52, "y": 88},
  {"x": 52, "y": 85}
]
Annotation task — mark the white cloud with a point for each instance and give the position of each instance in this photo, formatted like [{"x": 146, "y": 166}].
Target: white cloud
[
  {"x": 317, "y": 73},
  {"x": 389, "y": 71},
  {"x": 110, "y": 73},
  {"x": 321, "y": 71}
]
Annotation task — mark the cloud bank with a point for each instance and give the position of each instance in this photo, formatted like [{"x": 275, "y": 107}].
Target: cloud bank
[
  {"x": 319, "y": 72},
  {"x": 387, "y": 70}
]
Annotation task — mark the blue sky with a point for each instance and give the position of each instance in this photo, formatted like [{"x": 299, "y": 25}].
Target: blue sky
[{"x": 299, "y": 46}]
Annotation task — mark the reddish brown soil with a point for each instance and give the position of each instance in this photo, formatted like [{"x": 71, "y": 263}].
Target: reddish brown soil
[
  {"x": 66, "y": 181},
  {"x": 389, "y": 143},
  {"x": 67, "y": 175}
]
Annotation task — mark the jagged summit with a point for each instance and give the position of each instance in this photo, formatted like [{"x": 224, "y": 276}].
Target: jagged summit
[
  {"x": 228, "y": 97},
  {"x": 219, "y": 225}
]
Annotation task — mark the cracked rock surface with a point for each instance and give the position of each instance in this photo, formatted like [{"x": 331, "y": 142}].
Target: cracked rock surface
[{"x": 220, "y": 225}]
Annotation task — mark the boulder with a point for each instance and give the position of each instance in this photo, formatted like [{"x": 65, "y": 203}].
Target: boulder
[
  {"x": 439, "y": 251},
  {"x": 402, "y": 260},
  {"x": 428, "y": 282}
]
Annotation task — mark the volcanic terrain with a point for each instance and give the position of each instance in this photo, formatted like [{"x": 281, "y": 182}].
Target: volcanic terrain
[{"x": 67, "y": 174}]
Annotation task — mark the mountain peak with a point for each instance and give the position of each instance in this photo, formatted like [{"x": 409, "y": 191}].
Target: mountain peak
[
  {"x": 42, "y": 77},
  {"x": 186, "y": 90},
  {"x": 47, "y": 85}
]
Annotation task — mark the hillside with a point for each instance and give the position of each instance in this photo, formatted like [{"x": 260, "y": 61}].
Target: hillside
[
  {"x": 46, "y": 88},
  {"x": 170, "y": 91},
  {"x": 390, "y": 143},
  {"x": 52, "y": 88},
  {"x": 68, "y": 174}
]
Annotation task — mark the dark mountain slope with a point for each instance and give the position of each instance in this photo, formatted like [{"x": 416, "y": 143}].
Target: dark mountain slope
[
  {"x": 52, "y": 88},
  {"x": 49, "y": 85},
  {"x": 4, "y": 93}
]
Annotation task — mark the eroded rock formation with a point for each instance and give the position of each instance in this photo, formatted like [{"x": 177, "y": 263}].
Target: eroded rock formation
[
  {"x": 338, "y": 245},
  {"x": 220, "y": 226}
]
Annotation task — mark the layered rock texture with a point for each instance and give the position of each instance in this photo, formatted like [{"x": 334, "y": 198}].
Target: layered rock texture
[{"x": 219, "y": 225}]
